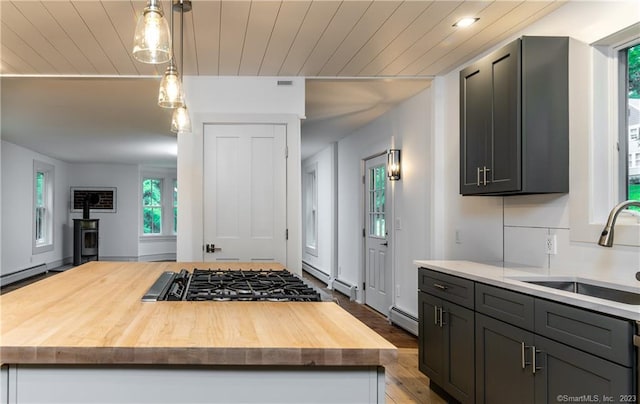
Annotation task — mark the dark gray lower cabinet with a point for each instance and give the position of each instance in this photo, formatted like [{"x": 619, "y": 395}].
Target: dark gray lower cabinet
[
  {"x": 506, "y": 357},
  {"x": 567, "y": 372},
  {"x": 503, "y": 373},
  {"x": 446, "y": 353},
  {"x": 501, "y": 346}
]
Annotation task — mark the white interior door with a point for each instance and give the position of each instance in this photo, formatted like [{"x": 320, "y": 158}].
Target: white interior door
[
  {"x": 244, "y": 193},
  {"x": 377, "y": 270}
]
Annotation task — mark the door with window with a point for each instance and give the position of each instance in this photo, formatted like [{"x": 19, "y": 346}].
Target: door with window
[
  {"x": 244, "y": 193},
  {"x": 377, "y": 261}
]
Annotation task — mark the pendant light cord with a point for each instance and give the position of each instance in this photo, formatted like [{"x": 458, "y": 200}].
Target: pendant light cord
[
  {"x": 181, "y": 40},
  {"x": 172, "y": 51}
]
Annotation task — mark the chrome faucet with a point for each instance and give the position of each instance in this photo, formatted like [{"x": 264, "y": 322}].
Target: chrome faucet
[{"x": 606, "y": 237}]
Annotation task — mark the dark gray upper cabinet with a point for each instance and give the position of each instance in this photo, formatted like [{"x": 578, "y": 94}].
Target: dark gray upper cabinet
[{"x": 514, "y": 119}]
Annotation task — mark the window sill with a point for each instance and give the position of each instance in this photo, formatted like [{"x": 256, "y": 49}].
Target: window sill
[
  {"x": 152, "y": 238},
  {"x": 42, "y": 248}
]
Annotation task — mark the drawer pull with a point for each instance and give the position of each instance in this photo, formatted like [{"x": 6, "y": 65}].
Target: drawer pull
[{"x": 439, "y": 286}]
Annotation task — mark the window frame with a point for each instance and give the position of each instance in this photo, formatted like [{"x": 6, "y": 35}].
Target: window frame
[
  {"x": 624, "y": 164},
  {"x": 160, "y": 206},
  {"x": 174, "y": 196},
  {"x": 595, "y": 172},
  {"x": 39, "y": 247},
  {"x": 311, "y": 209},
  {"x": 169, "y": 220}
]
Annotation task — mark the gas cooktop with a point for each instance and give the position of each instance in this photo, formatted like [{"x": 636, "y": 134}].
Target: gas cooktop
[{"x": 236, "y": 285}]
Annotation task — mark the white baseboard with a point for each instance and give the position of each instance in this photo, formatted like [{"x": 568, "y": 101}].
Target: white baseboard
[
  {"x": 404, "y": 320},
  {"x": 22, "y": 274},
  {"x": 157, "y": 257},
  {"x": 122, "y": 258}
]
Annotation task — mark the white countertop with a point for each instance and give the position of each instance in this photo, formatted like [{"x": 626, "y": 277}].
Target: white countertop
[{"x": 512, "y": 278}]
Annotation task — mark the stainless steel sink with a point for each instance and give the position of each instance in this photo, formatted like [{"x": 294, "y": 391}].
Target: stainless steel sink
[{"x": 620, "y": 296}]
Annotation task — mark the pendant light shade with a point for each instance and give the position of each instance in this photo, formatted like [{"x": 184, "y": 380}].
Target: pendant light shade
[
  {"x": 152, "y": 39},
  {"x": 181, "y": 122},
  {"x": 171, "y": 94}
]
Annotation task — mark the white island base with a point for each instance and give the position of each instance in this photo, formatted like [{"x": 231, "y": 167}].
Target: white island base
[{"x": 136, "y": 384}]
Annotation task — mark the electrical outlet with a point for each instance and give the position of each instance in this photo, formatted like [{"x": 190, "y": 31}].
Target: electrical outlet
[
  {"x": 551, "y": 247},
  {"x": 458, "y": 238}
]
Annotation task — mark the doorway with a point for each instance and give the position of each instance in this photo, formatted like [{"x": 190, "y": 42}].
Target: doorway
[{"x": 377, "y": 268}]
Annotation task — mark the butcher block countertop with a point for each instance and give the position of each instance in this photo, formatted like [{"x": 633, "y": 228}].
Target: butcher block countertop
[{"x": 92, "y": 314}]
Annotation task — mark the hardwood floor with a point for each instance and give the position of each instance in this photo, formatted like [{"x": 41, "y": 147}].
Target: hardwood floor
[{"x": 405, "y": 384}]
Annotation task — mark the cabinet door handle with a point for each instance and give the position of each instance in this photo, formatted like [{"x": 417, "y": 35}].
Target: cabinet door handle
[
  {"x": 442, "y": 313},
  {"x": 478, "y": 176},
  {"x": 534, "y": 368},
  {"x": 435, "y": 315},
  {"x": 523, "y": 347},
  {"x": 485, "y": 175},
  {"x": 439, "y": 286}
]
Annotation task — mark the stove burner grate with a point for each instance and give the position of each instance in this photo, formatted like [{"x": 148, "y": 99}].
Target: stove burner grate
[{"x": 239, "y": 285}]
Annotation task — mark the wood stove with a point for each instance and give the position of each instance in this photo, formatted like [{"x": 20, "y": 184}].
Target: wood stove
[{"x": 85, "y": 240}]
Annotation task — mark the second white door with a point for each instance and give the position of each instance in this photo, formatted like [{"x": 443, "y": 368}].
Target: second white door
[
  {"x": 244, "y": 193},
  {"x": 377, "y": 271}
]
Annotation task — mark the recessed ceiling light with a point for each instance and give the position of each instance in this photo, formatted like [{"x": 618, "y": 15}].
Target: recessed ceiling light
[{"x": 465, "y": 22}]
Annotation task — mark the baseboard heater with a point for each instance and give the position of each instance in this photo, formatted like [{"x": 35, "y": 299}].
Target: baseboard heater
[
  {"x": 404, "y": 320},
  {"x": 22, "y": 274},
  {"x": 315, "y": 272},
  {"x": 344, "y": 288}
]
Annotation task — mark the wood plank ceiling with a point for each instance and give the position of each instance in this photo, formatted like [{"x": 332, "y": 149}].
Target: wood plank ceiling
[
  {"x": 343, "y": 48},
  {"x": 262, "y": 38}
]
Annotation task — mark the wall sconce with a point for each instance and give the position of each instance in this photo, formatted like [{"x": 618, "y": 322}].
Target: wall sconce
[{"x": 393, "y": 164}]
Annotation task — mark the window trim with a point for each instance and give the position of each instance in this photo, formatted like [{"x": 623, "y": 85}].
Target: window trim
[
  {"x": 168, "y": 179},
  {"x": 161, "y": 206},
  {"x": 595, "y": 173},
  {"x": 174, "y": 206},
  {"x": 49, "y": 170},
  {"x": 311, "y": 170}
]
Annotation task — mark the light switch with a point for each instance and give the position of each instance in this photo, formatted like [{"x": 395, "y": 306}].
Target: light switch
[{"x": 398, "y": 224}]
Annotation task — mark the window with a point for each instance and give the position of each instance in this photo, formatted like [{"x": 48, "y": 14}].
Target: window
[
  {"x": 377, "y": 222},
  {"x": 43, "y": 186},
  {"x": 629, "y": 58},
  {"x": 311, "y": 210},
  {"x": 152, "y": 206},
  {"x": 175, "y": 206}
]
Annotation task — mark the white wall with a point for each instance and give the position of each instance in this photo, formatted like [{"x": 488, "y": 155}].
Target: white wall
[
  {"x": 237, "y": 100},
  {"x": 515, "y": 228},
  {"x": 408, "y": 127},
  {"x": 118, "y": 231},
  {"x": 325, "y": 164},
  {"x": 17, "y": 209}
]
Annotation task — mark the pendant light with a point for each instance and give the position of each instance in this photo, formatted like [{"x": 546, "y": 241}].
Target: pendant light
[
  {"x": 151, "y": 43},
  {"x": 171, "y": 94},
  {"x": 180, "y": 121}
]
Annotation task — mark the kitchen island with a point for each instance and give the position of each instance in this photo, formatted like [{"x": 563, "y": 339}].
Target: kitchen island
[{"x": 85, "y": 336}]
